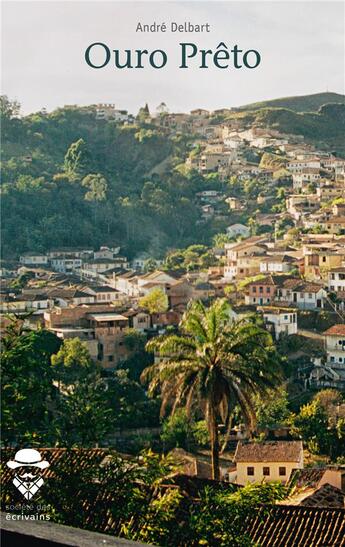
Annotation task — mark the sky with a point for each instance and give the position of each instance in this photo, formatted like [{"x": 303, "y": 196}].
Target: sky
[{"x": 43, "y": 46}]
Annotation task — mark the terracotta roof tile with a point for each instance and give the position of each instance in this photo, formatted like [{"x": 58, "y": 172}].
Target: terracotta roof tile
[
  {"x": 289, "y": 526},
  {"x": 335, "y": 330}
]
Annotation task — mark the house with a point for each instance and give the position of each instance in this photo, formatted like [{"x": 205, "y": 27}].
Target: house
[
  {"x": 209, "y": 196},
  {"x": 277, "y": 264},
  {"x": 298, "y": 166},
  {"x": 207, "y": 211},
  {"x": 334, "y": 225},
  {"x": 267, "y": 461},
  {"x": 302, "y": 294},
  {"x": 336, "y": 279},
  {"x": 212, "y": 161},
  {"x": 236, "y": 230},
  {"x": 321, "y": 257},
  {"x": 138, "y": 319},
  {"x": 125, "y": 281},
  {"x": 235, "y": 204},
  {"x": 297, "y": 205},
  {"x": 335, "y": 346},
  {"x": 328, "y": 192},
  {"x": 203, "y": 291},
  {"x": 243, "y": 259},
  {"x": 64, "y": 296},
  {"x": 106, "y": 252},
  {"x": 101, "y": 265},
  {"x": 160, "y": 320},
  {"x": 33, "y": 259},
  {"x": 22, "y": 303},
  {"x": 104, "y": 293},
  {"x": 179, "y": 293},
  {"x": 77, "y": 252},
  {"x": 305, "y": 177},
  {"x": 65, "y": 264},
  {"x": 279, "y": 320},
  {"x": 158, "y": 277},
  {"x": 99, "y": 325},
  {"x": 261, "y": 291}
]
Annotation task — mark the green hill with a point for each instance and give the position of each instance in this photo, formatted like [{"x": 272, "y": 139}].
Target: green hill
[
  {"x": 302, "y": 103},
  {"x": 325, "y": 127},
  {"x": 109, "y": 191}
]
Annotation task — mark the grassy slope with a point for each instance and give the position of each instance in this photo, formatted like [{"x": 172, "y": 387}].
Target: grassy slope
[{"x": 303, "y": 103}]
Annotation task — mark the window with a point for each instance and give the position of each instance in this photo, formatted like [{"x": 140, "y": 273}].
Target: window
[
  {"x": 261, "y": 289},
  {"x": 254, "y": 289},
  {"x": 110, "y": 358},
  {"x": 266, "y": 471},
  {"x": 250, "y": 471},
  {"x": 282, "y": 471},
  {"x": 268, "y": 289}
]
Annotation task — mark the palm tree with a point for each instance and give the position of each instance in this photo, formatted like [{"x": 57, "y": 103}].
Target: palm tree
[{"x": 216, "y": 363}]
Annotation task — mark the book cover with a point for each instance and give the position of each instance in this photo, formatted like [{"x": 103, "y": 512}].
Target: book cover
[{"x": 172, "y": 307}]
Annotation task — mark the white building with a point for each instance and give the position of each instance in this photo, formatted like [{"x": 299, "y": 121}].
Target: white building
[
  {"x": 305, "y": 177},
  {"x": 236, "y": 230},
  {"x": 335, "y": 345},
  {"x": 297, "y": 166},
  {"x": 336, "y": 279},
  {"x": 303, "y": 295},
  {"x": 280, "y": 320},
  {"x": 33, "y": 259},
  {"x": 65, "y": 264},
  {"x": 276, "y": 264}
]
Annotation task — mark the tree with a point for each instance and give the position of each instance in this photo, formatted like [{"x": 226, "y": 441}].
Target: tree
[
  {"x": 97, "y": 187},
  {"x": 273, "y": 409},
  {"x": 8, "y": 109},
  {"x": 311, "y": 425},
  {"x": 84, "y": 413},
  {"x": 320, "y": 424},
  {"x": 155, "y": 301},
  {"x": 28, "y": 393},
  {"x": 72, "y": 362},
  {"x": 177, "y": 430},
  {"x": 150, "y": 265},
  {"x": 220, "y": 240},
  {"x": 77, "y": 158},
  {"x": 216, "y": 364}
]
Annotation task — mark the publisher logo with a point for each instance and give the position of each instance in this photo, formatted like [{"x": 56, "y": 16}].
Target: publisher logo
[{"x": 28, "y": 463}]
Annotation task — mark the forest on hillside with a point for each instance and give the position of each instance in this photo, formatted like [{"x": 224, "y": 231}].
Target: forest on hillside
[{"x": 70, "y": 179}]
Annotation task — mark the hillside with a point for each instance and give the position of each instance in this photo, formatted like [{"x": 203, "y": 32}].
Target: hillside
[
  {"x": 302, "y": 103},
  {"x": 325, "y": 127},
  {"x": 69, "y": 179},
  {"x": 108, "y": 193}
]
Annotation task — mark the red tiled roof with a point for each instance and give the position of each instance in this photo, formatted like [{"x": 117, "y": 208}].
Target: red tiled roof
[
  {"x": 291, "y": 526},
  {"x": 325, "y": 496},
  {"x": 335, "y": 330}
]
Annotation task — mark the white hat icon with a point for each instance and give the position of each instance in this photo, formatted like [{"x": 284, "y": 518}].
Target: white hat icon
[{"x": 28, "y": 456}]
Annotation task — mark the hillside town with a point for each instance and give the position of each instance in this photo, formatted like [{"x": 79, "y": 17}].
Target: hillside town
[
  {"x": 279, "y": 260},
  {"x": 291, "y": 275}
]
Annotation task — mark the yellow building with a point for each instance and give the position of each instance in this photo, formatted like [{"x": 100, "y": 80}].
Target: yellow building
[{"x": 267, "y": 461}]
